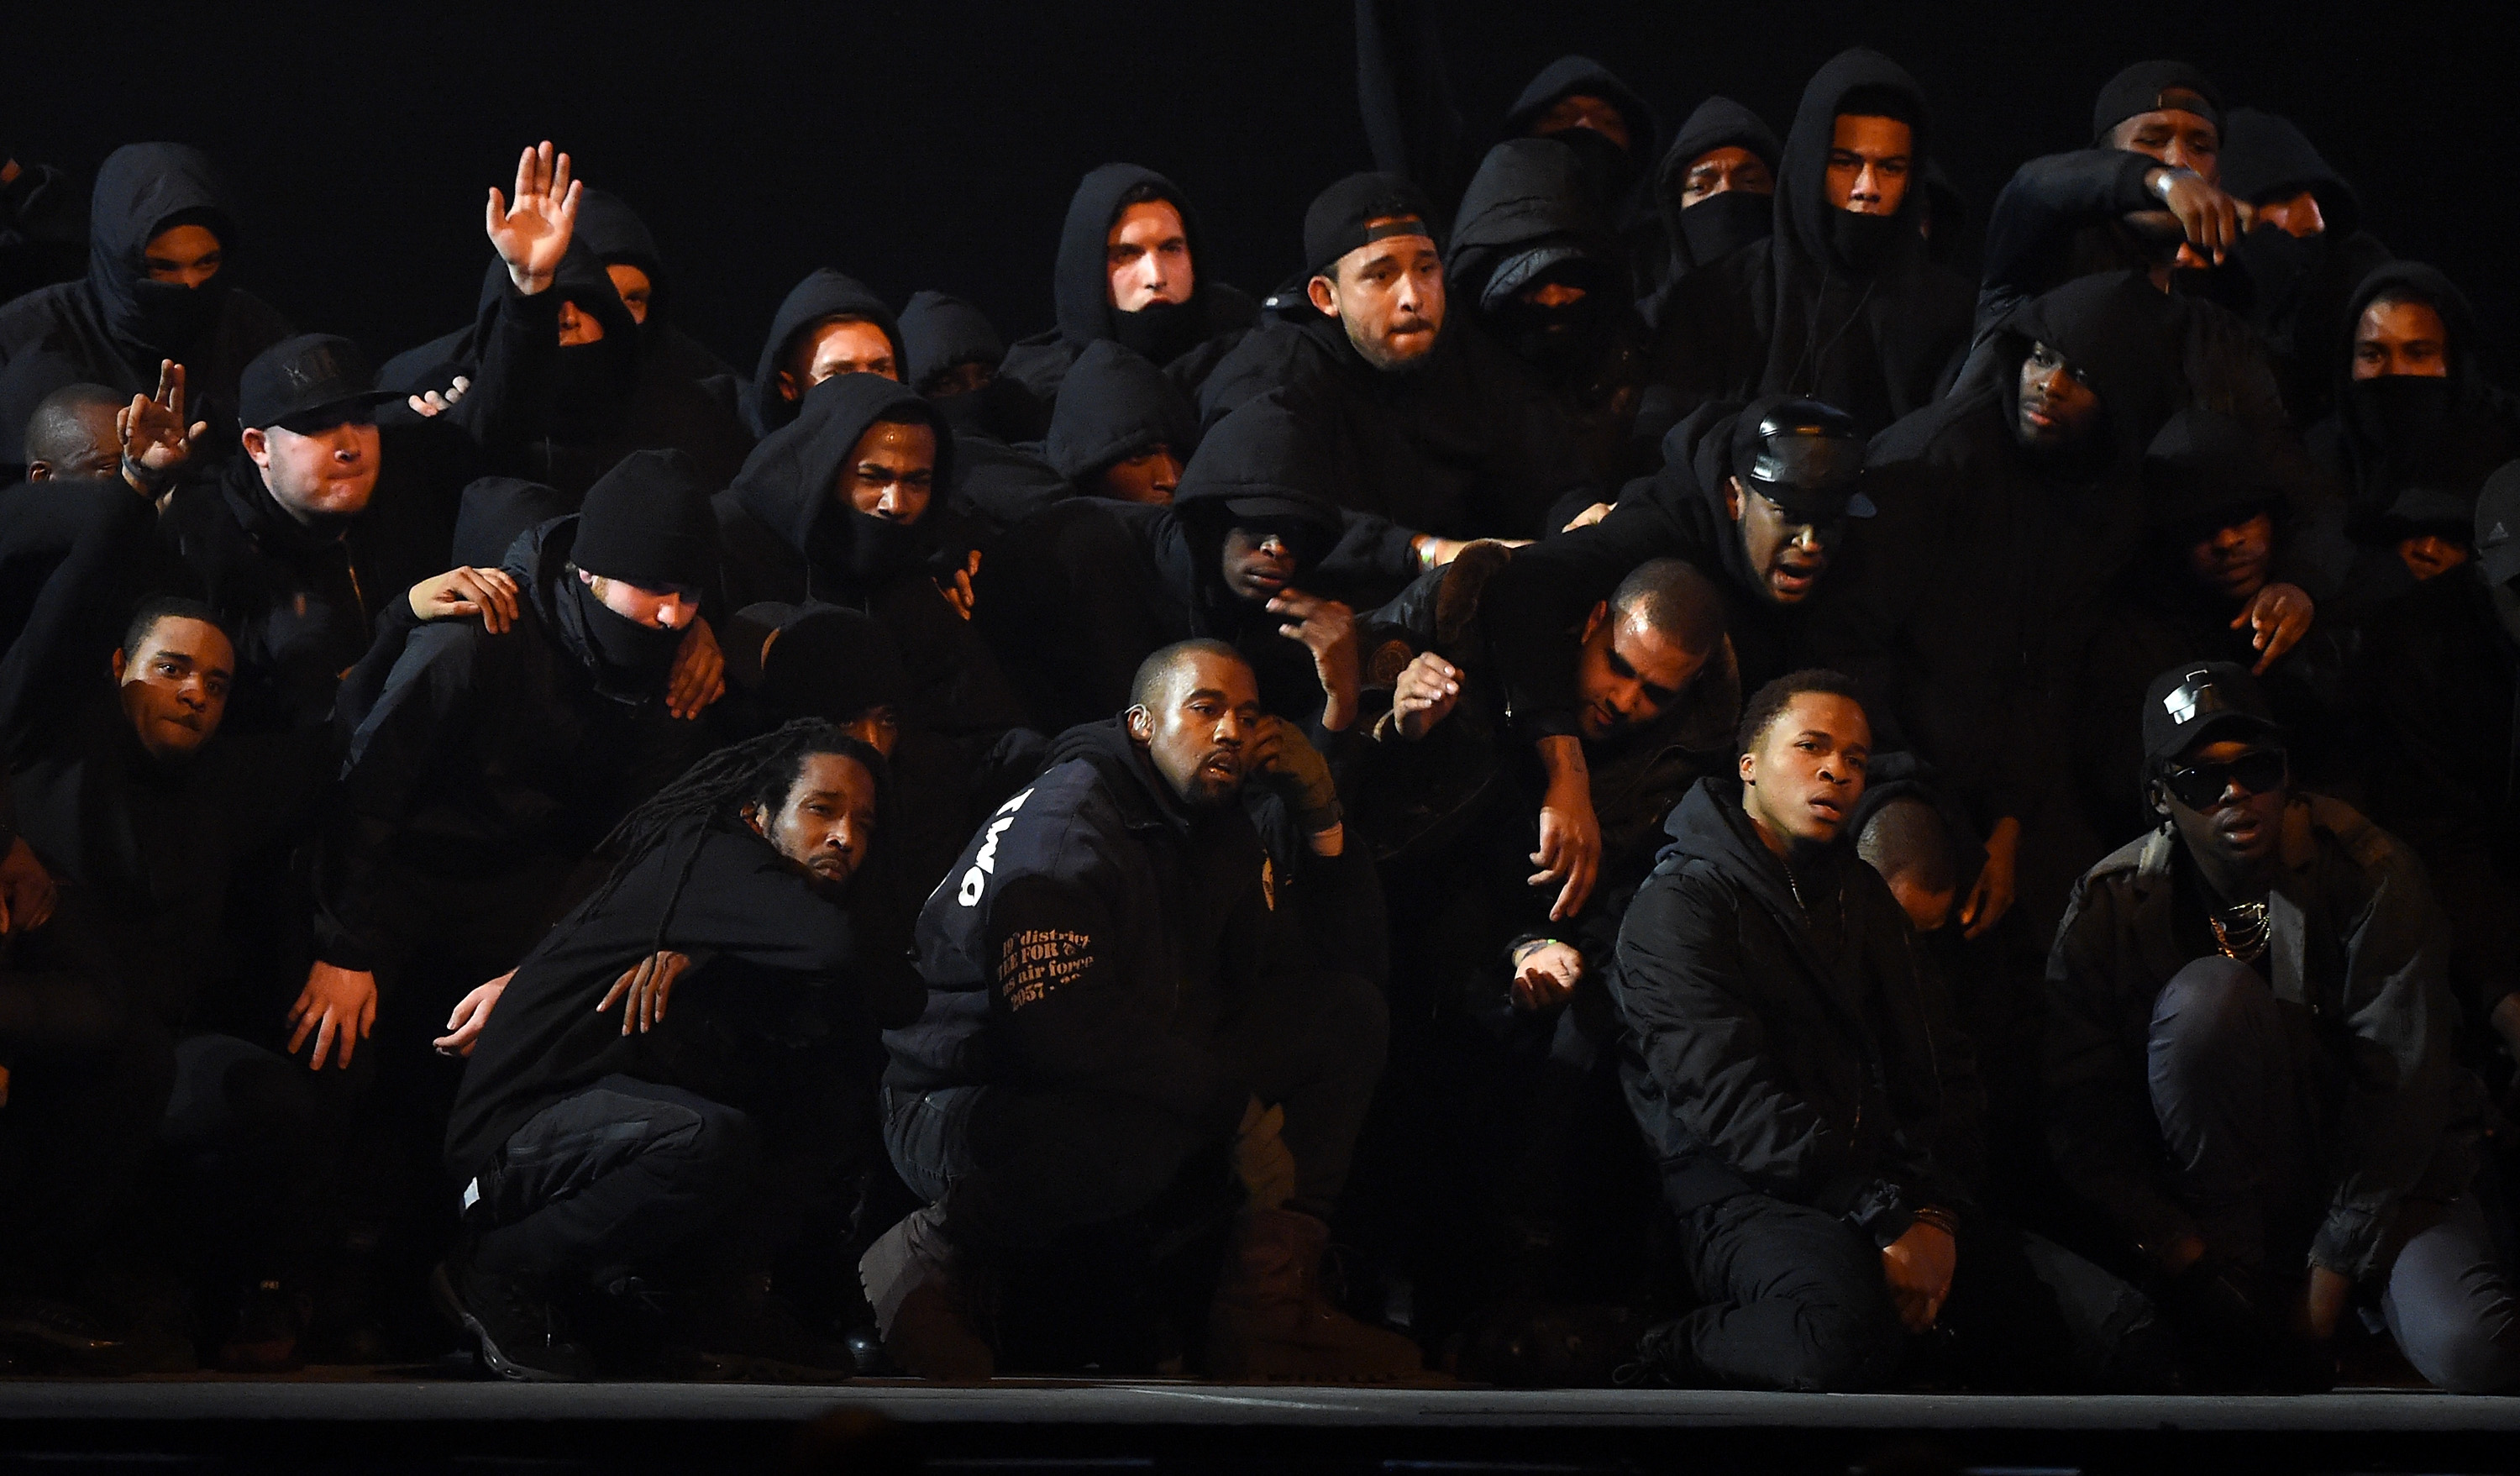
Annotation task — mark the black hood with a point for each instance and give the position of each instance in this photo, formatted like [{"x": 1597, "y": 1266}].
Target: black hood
[
  {"x": 1708, "y": 826},
  {"x": 1114, "y": 405},
  {"x": 2465, "y": 349},
  {"x": 1702, "y": 446},
  {"x": 617, "y": 236},
  {"x": 2398, "y": 433},
  {"x": 1805, "y": 220},
  {"x": 1256, "y": 463},
  {"x": 1719, "y": 122},
  {"x": 140, "y": 189},
  {"x": 1529, "y": 210},
  {"x": 824, "y": 293},
  {"x": 1080, "y": 287},
  {"x": 939, "y": 332},
  {"x": 786, "y": 485},
  {"x": 1570, "y": 76},
  {"x": 2265, "y": 158},
  {"x": 2125, "y": 336}
]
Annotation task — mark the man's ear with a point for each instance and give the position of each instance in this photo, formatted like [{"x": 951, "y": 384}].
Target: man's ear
[
  {"x": 1324, "y": 294},
  {"x": 1733, "y": 497},
  {"x": 1594, "y": 621},
  {"x": 751, "y": 814},
  {"x": 39, "y": 471},
  {"x": 787, "y": 387},
  {"x": 119, "y": 662},
  {"x": 258, "y": 445},
  {"x": 1749, "y": 762},
  {"x": 1142, "y": 723}
]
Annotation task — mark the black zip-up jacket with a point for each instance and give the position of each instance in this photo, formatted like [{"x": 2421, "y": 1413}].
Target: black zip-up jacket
[
  {"x": 786, "y": 985},
  {"x": 2358, "y": 943},
  {"x": 303, "y": 603},
  {"x": 1095, "y": 934},
  {"x": 489, "y": 753},
  {"x": 1803, "y": 1055}
]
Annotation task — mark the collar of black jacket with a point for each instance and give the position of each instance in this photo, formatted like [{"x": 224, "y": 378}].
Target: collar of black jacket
[{"x": 1146, "y": 801}]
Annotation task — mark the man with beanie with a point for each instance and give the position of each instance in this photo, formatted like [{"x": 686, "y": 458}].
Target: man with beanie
[
  {"x": 1128, "y": 986},
  {"x": 491, "y": 765},
  {"x": 2250, "y": 1075}
]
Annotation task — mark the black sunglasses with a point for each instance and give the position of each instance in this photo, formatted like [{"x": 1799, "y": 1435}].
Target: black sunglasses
[{"x": 2200, "y": 787}]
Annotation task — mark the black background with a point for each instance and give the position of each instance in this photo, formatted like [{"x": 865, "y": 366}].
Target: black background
[{"x": 935, "y": 145}]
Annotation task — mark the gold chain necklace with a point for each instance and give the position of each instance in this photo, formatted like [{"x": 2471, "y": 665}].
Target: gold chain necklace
[{"x": 2242, "y": 932}]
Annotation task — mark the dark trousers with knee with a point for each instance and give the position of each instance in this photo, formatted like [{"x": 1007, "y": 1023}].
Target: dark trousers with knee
[
  {"x": 1013, "y": 1166},
  {"x": 612, "y": 1179},
  {"x": 2247, "y": 1099}
]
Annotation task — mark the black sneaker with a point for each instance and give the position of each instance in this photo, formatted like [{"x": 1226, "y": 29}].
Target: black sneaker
[
  {"x": 54, "y": 1335},
  {"x": 741, "y": 1330},
  {"x": 516, "y": 1327}
]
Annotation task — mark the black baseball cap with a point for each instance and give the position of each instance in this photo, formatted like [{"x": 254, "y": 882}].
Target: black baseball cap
[
  {"x": 2188, "y": 704},
  {"x": 1802, "y": 454},
  {"x": 2497, "y": 525},
  {"x": 305, "y": 379}
]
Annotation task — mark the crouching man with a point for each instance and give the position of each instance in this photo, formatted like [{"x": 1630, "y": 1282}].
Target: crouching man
[
  {"x": 1817, "y": 1116},
  {"x": 602, "y": 1138},
  {"x": 2250, "y": 1069},
  {"x": 1125, "y": 982}
]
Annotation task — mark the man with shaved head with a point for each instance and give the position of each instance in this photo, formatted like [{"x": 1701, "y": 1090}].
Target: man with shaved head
[{"x": 1127, "y": 981}]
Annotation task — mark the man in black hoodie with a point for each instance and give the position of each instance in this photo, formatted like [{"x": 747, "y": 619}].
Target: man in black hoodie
[
  {"x": 1716, "y": 187},
  {"x": 490, "y": 765},
  {"x": 1841, "y": 302},
  {"x": 1132, "y": 265},
  {"x": 828, "y": 323},
  {"x": 953, "y": 356},
  {"x": 1816, "y": 1112},
  {"x": 1125, "y": 980},
  {"x": 591, "y": 1150},
  {"x": 1122, "y": 432},
  {"x": 622, "y": 241},
  {"x": 2305, "y": 250},
  {"x": 157, "y": 286}
]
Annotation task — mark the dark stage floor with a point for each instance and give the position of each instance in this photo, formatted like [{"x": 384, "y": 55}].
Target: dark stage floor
[{"x": 345, "y": 1421}]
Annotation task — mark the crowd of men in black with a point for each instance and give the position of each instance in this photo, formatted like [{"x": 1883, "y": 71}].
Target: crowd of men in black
[{"x": 1627, "y": 778}]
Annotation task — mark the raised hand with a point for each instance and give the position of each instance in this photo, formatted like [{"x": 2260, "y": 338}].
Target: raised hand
[
  {"x": 438, "y": 402},
  {"x": 1327, "y": 629},
  {"x": 534, "y": 235},
  {"x": 156, "y": 441}
]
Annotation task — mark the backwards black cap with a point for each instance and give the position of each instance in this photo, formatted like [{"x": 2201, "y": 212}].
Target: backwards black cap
[
  {"x": 2497, "y": 525},
  {"x": 647, "y": 523},
  {"x": 2153, "y": 88},
  {"x": 2187, "y": 704},
  {"x": 1802, "y": 454},
  {"x": 1343, "y": 217},
  {"x": 295, "y": 377}
]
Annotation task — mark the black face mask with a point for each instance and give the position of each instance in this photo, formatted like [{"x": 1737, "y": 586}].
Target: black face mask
[
  {"x": 2405, "y": 415},
  {"x": 1554, "y": 340},
  {"x": 590, "y": 381},
  {"x": 1722, "y": 224},
  {"x": 2280, "y": 264},
  {"x": 1863, "y": 242},
  {"x": 1609, "y": 170},
  {"x": 1162, "y": 332},
  {"x": 633, "y": 656},
  {"x": 882, "y": 550},
  {"x": 169, "y": 315}
]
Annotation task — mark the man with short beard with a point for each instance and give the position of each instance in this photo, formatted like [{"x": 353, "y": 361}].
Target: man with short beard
[
  {"x": 1125, "y": 983},
  {"x": 2250, "y": 1073}
]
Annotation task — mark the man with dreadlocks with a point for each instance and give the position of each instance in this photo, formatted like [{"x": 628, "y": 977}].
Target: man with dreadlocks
[{"x": 679, "y": 1147}]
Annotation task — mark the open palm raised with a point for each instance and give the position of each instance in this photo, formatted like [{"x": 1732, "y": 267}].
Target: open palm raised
[{"x": 532, "y": 235}]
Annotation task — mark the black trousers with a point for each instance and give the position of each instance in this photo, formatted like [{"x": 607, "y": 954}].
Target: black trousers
[
  {"x": 249, "y": 1140},
  {"x": 1013, "y": 1167},
  {"x": 1793, "y": 1298},
  {"x": 617, "y": 1177},
  {"x": 2246, "y": 1097}
]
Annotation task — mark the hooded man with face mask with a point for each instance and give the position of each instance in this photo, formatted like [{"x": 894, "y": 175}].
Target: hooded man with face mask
[
  {"x": 843, "y": 506},
  {"x": 1535, "y": 262},
  {"x": 158, "y": 286},
  {"x": 2304, "y": 254},
  {"x": 491, "y": 765},
  {"x": 1132, "y": 265},
  {"x": 1123, "y": 431},
  {"x": 1716, "y": 187},
  {"x": 622, "y": 241},
  {"x": 954, "y": 355},
  {"x": 1844, "y": 306}
]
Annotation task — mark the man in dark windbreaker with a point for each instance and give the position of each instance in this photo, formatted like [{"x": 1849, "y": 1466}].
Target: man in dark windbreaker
[
  {"x": 828, "y": 323},
  {"x": 1842, "y": 304},
  {"x": 1125, "y": 982},
  {"x": 591, "y": 1149},
  {"x": 1817, "y": 1116},
  {"x": 158, "y": 287},
  {"x": 2249, "y": 1069},
  {"x": 1132, "y": 265}
]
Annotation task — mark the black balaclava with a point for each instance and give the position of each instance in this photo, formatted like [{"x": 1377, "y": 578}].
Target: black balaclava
[
  {"x": 1529, "y": 218},
  {"x": 788, "y": 484},
  {"x": 1724, "y": 223},
  {"x": 591, "y": 382},
  {"x": 824, "y": 293},
  {"x": 1610, "y": 169},
  {"x": 617, "y": 237},
  {"x": 141, "y": 191},
  {"x": 1112, "y": 406},
  {"x": 2152, "y": 88},
  {"x": 2399, "y": 429},
  {"x": 645, "y": 522},
  {"x": 1081, "y": 284}
]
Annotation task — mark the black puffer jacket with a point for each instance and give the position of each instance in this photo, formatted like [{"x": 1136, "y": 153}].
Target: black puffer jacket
[{"x": 1783, "y": 1039}]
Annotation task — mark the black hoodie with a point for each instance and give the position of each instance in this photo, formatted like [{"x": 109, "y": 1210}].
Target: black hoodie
[
  {"x": 113, "y": 327},
  {"x": 786, "y": 536},
  {"x": 1877, "y": 335},
  {"x": 617, "y": 237},
  {"x": 1783, "y": 1039},
  {"x": 1185, "y": 340},
  {"x": 485, "y": 755},
  {"x": 824, "y": 293},
  {"x": 943, "y": 332},
  {"x": 1730, "y": 220},
  {"x": 2296, "y": 287}
]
